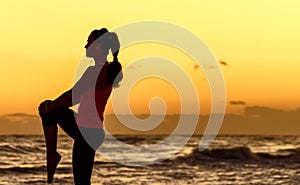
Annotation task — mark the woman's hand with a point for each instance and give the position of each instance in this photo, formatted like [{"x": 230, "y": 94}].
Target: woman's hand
[{"x": 44, "y": 107}]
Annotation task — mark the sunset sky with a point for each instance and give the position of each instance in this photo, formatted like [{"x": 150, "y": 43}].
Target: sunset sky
[{"x": 42, "y": 43}]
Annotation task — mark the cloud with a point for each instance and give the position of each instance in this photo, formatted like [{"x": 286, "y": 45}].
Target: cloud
[
  {"x": 19, "y": 117},
  {"x": 20, "y": 123},
  {"x": 267, "y": 112},
  {"x": 256, "y": 120},
  {"x": 237, "y": 103}
]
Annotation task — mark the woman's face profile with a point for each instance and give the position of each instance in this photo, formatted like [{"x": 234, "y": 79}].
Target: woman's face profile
[
  {"x": 90, "y": 46},
  {"x": 93, "y": 49}
]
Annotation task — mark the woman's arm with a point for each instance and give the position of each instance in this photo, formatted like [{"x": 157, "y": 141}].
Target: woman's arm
[
  {"x": 72, "y": 96},
  {"x": 64, "y": 100}
]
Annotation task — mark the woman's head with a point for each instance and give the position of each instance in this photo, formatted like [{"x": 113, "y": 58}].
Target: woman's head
[
  {"x": 98, "y": 46},
  {"x": 99, "y": 42}
]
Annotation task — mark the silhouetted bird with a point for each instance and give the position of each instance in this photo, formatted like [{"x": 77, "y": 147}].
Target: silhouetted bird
[
  {"x": 223, "y": 63},
  {"x": 196, "y": 66}
]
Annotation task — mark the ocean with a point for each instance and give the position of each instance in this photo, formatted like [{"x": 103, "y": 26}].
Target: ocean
[{"x": 228, "y": 160}]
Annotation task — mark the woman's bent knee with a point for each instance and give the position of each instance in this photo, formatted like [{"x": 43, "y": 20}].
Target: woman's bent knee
[{"x": 51, "y": 118}]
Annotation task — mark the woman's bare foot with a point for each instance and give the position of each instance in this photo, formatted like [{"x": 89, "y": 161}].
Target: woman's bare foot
[{"x": 52, "y": 162}]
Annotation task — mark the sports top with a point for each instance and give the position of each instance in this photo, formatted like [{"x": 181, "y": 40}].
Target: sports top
[{"x": 93, "y": 102}]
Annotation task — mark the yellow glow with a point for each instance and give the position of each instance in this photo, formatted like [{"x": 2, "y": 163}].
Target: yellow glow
[{"x": 42, "y": 44}]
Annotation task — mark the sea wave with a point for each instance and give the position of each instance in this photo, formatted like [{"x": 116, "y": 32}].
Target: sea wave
[
  {"x": 33, "y": 169},
  {"x": 19, "y": 169},
  {"x": 20, "y": 149},
  {"x": 239, "y": 154}
]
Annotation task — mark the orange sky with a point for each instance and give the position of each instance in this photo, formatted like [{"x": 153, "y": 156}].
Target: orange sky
[{"x": 42, "y": 44}]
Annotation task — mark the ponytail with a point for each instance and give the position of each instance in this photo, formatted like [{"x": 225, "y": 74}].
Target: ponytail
[
  {"x": 115, "y": 45},
  {"x": 110, "y": 40},
  {"x": 115, "y": 68}
]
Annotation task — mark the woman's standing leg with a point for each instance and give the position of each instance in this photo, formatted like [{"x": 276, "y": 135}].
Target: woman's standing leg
[
  {"x": 83, "y": 161},
  {"x": 84, "y": 154}
]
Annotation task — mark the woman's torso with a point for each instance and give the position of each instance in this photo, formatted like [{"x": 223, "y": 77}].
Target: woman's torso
[{"x": 93, "y": 100}]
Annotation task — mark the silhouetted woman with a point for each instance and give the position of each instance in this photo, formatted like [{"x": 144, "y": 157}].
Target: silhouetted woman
[{"x": 92, "y": 92}]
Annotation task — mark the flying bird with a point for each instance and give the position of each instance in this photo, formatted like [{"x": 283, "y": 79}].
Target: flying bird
[
  {"x": 223, "y": 63},
  {"x": 196, "y": 67}
]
